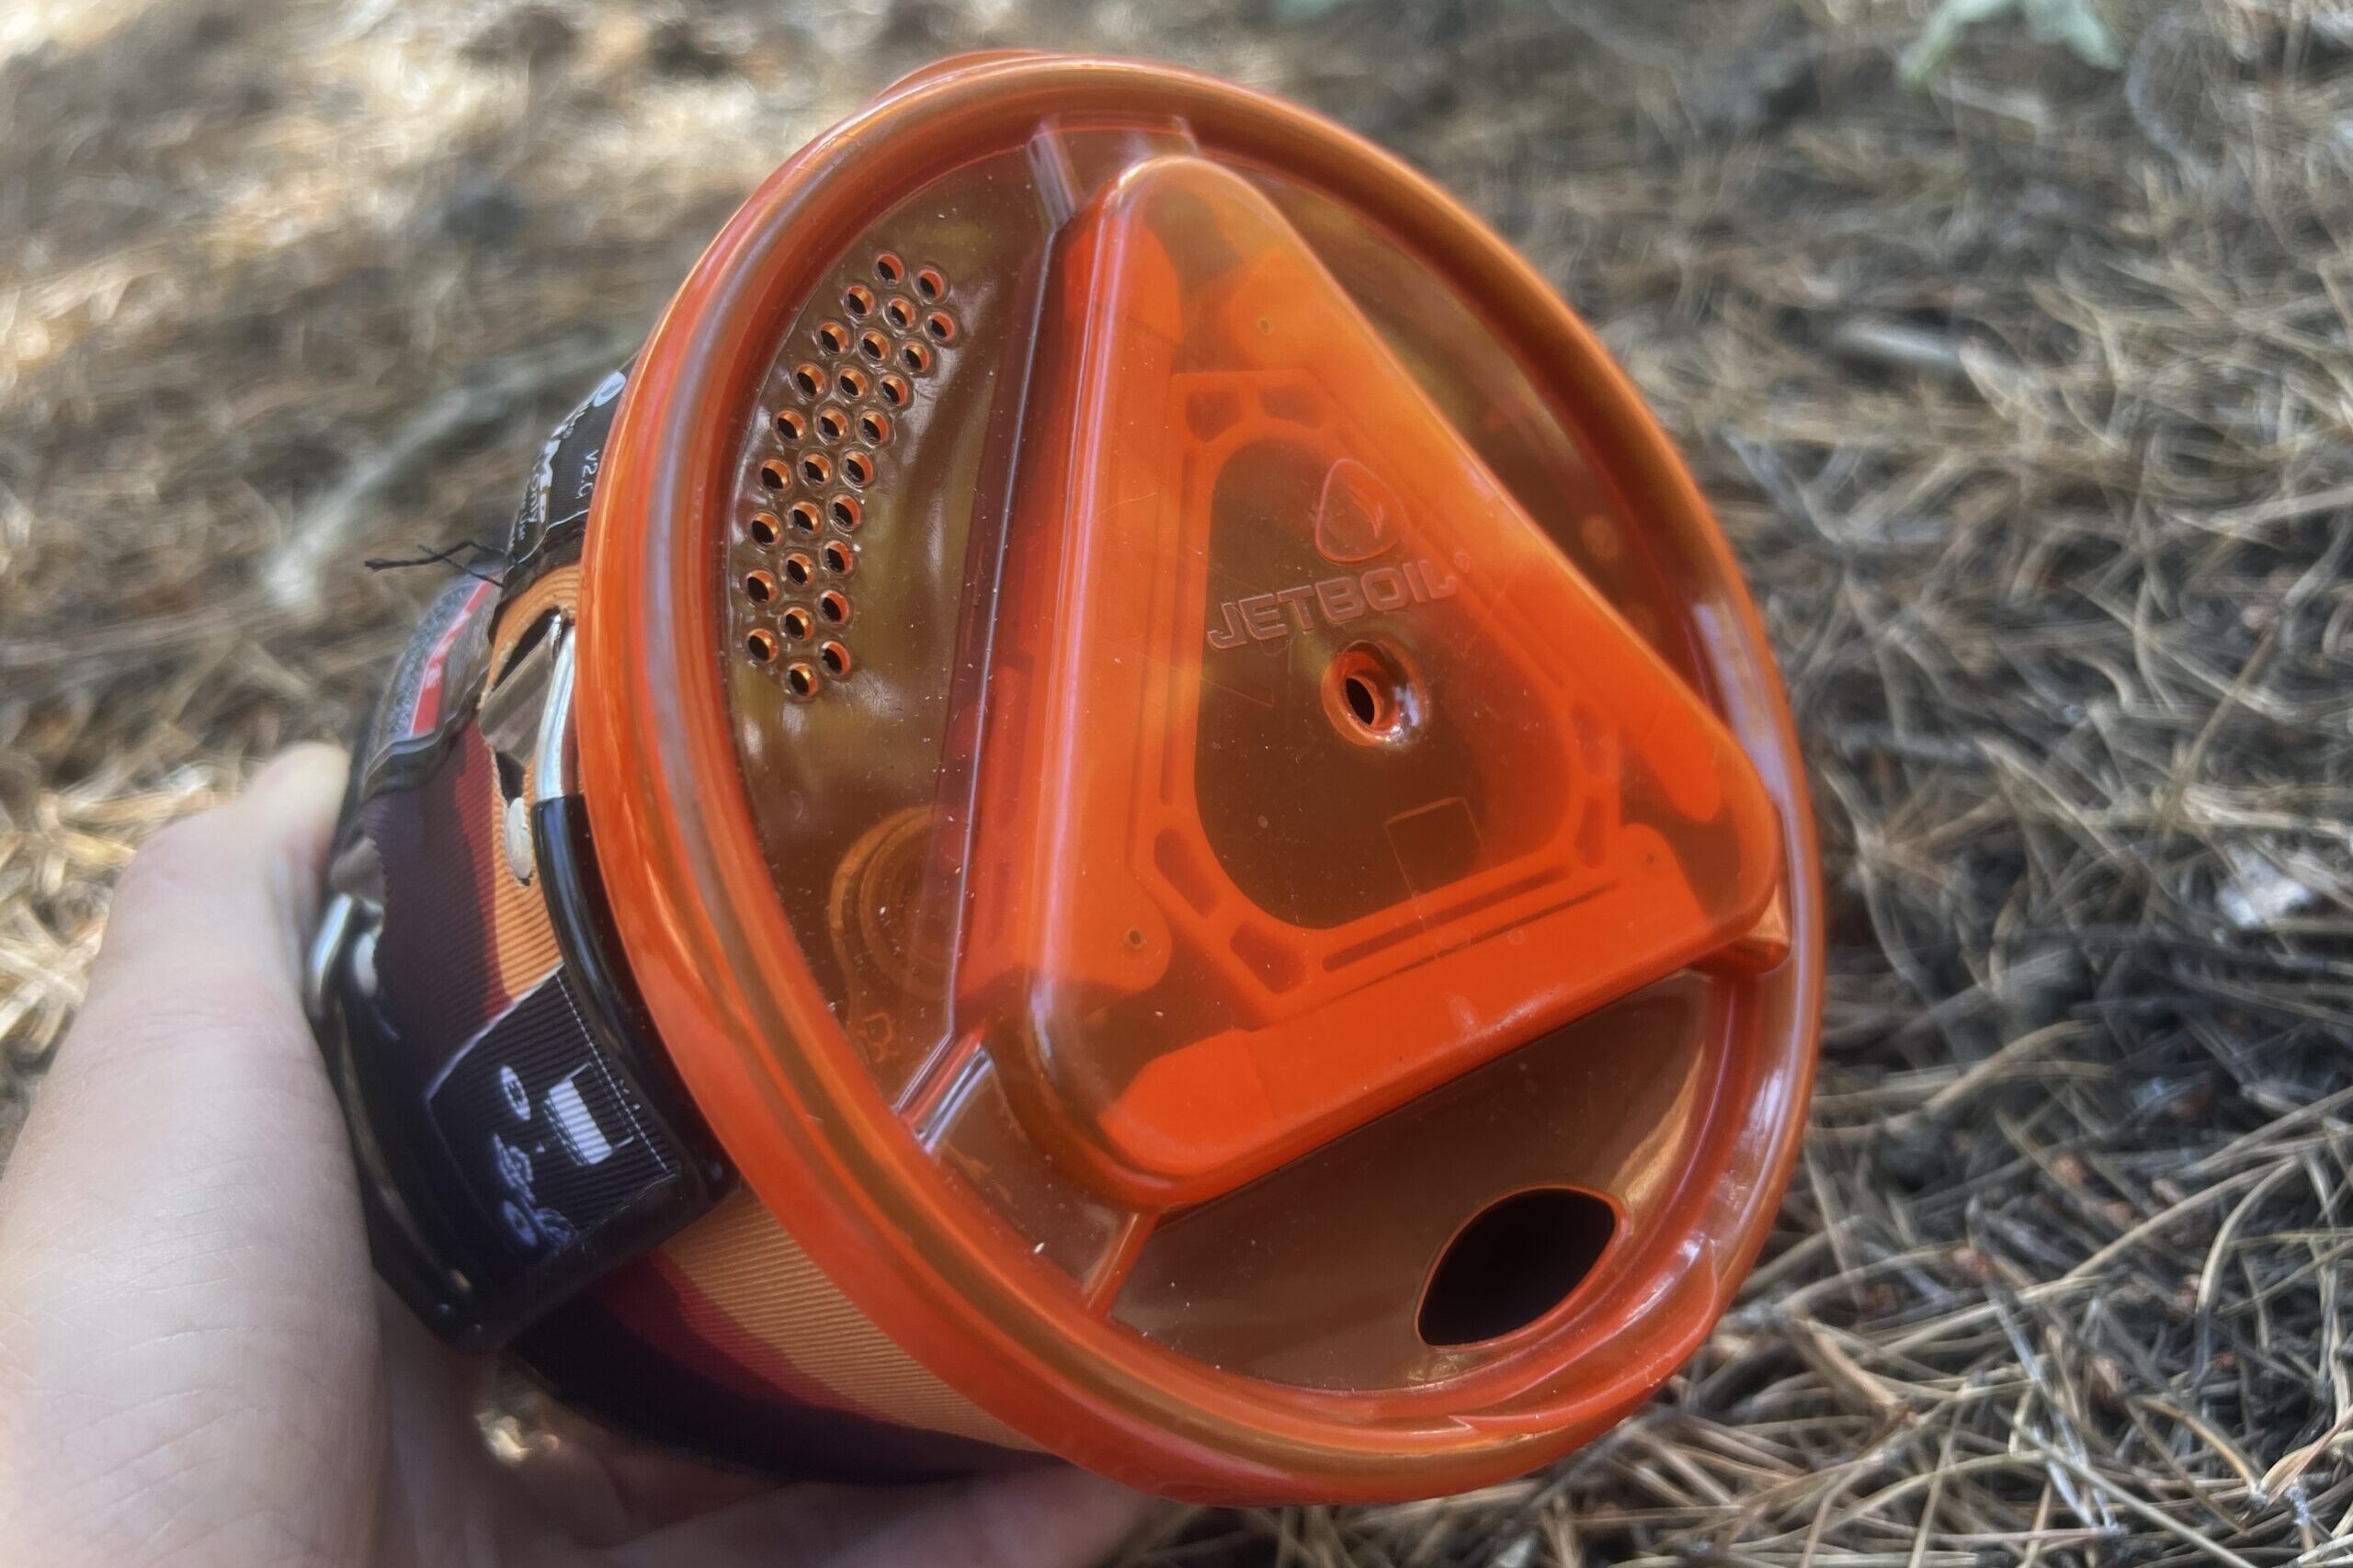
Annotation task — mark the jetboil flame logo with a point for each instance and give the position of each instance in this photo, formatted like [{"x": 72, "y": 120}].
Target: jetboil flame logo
[{"x": 1358, "y": 517}]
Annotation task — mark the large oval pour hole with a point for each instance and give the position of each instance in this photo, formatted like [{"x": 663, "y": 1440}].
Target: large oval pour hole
[{"x": 1517, "y": 1259}]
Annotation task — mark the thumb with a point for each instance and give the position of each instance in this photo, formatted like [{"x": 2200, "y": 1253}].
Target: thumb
[
  {"x": 180, "y": 1244},
  {"x": 197, "y": 989},
  {"x": 235, "y": 887}
]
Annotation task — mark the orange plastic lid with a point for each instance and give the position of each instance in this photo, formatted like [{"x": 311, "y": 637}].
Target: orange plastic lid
[{"x": 1192, "y": 791}]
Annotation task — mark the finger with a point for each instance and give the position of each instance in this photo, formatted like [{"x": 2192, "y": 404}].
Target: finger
[
  {"x": 227, "y": 895},
  {"x": 1052, "y": 1516},
  {"x": 601, "y": 1486},
  {"x": 210, "y": 917},
  {"x": 180, "y": 1246},
  {"x": 191, "y": 1071},
  {"x": 1055, "y": 1517},
  {"x": 446, "y": 1500}
]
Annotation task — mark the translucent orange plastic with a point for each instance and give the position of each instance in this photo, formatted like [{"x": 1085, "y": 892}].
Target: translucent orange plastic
[
  {"x": 1314, "y": 774},
  {"x": 1166, "y": 733}
]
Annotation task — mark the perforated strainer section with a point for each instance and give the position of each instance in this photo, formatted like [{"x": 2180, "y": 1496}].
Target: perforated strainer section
[{"x": 844, "y": 384}]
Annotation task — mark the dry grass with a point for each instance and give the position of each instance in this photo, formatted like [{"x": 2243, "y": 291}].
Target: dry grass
[{"x": 2026, "y": 399}]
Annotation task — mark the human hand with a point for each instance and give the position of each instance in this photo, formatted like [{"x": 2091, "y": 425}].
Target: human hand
[{"x": 196, "y": 1367}]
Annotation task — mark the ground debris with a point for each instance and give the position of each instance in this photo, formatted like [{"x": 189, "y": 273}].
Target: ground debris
[{"x": 2025, "y": 396}]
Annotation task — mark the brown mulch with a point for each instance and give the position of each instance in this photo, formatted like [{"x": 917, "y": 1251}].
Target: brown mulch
[{"x": 2025, "y": 395}]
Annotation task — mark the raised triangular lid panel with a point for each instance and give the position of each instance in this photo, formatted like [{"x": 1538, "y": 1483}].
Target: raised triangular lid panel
[{"x": 1312, "y": 773}]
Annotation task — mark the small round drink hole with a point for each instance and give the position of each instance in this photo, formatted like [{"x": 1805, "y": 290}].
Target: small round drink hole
[
  {"x": 1513, "y": 1263},
  {"x": 1370, "y": 696}
]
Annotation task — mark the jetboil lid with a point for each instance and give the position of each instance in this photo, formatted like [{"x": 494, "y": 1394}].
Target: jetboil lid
[{"x": 1193, "y": 791}]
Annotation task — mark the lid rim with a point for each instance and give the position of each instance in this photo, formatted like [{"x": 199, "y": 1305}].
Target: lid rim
[{"x": 664, "y": 792}]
